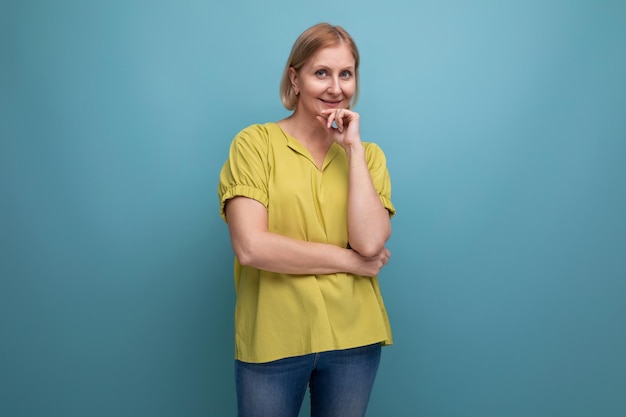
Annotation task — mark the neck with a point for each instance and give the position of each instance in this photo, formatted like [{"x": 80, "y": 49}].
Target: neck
[{"x": 307, "y": 130}]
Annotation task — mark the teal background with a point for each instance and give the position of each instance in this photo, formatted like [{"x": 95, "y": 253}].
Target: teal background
[{"x": 504, "y": 125}]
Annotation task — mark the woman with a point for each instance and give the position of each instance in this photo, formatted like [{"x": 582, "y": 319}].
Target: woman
[{"x": 308, "y": 210}]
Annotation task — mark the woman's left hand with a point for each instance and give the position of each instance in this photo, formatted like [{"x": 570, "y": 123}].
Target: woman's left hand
[{"x": 342, "y": 125}]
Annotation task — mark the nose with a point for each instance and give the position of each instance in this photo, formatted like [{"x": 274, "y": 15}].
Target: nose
[{"x": 334, "y": 87}]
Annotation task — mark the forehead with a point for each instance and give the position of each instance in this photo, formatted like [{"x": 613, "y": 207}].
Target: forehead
[{"x": 338, "y": 55}]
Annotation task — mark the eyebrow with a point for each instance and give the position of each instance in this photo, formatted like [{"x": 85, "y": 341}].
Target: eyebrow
[{"x": 324, "y": 66}]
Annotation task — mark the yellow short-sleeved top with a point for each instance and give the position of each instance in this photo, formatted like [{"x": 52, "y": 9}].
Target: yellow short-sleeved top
[{"x": 281, "y": 315}]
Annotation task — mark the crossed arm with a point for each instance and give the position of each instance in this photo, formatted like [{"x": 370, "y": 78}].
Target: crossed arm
[{"x": 255, "y": 246}]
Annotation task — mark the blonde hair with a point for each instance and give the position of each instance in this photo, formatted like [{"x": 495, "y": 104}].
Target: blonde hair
[{"x": 320, "y": 36}]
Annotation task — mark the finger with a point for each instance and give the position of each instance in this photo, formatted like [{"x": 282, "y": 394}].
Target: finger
[
  {"x": 330, "y": 120},
  {"x": 322, "y": 120},
  {"x": 340, "y": 118}
]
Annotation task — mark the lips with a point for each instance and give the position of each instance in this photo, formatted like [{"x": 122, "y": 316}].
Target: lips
[{"x": 331, "y": 102}]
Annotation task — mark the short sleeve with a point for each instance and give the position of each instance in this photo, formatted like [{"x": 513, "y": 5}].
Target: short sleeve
[
  {"x": 245, "y": 173},
  {"x": 377, "y": 164}
]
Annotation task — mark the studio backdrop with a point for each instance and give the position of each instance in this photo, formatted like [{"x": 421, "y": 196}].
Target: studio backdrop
[{"x": 504, "y": 128}]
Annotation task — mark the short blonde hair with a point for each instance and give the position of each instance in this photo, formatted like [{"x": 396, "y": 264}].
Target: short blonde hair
[{"x": 320, "y": 36}]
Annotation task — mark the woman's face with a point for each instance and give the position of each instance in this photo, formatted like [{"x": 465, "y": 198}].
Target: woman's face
[{"x": 326, "y": 81}]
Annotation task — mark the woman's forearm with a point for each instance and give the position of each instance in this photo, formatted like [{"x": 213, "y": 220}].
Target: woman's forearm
[
  {"x": 369, "y": 226},
  {"x": 281, "y": 254}
]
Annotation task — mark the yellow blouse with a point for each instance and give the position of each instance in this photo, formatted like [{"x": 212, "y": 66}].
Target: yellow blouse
[{"x": 281, "y": 315}]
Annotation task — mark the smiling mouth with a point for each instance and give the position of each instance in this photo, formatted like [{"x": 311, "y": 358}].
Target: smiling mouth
[{"x": 332, "y": 102}]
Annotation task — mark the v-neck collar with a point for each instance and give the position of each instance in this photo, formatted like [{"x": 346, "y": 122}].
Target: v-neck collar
[{"x": 297, "y": 146}]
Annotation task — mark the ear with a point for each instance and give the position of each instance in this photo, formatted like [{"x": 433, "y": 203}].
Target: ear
[{"x": 293, "y": 77}]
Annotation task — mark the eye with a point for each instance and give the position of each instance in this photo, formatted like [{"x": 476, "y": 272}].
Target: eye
[
  {"x": 321, "y": 73},
  {"x": 346, "y": 74}
]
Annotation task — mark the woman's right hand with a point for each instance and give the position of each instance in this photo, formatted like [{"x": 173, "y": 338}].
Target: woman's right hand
[{"x": 370, "y": 266}]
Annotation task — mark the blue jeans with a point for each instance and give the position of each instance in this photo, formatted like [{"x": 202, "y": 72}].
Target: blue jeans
[{"x": 340, "y": 384}]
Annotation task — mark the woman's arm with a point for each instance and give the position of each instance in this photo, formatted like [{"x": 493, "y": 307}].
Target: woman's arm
[
  {"x": 255, "y": 246},
  {"x": 369, "y": 225}
]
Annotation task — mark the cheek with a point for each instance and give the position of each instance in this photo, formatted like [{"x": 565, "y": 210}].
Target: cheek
[
  {"x": 314, "y": 88},
  {"x": 349, "y": 89}
]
